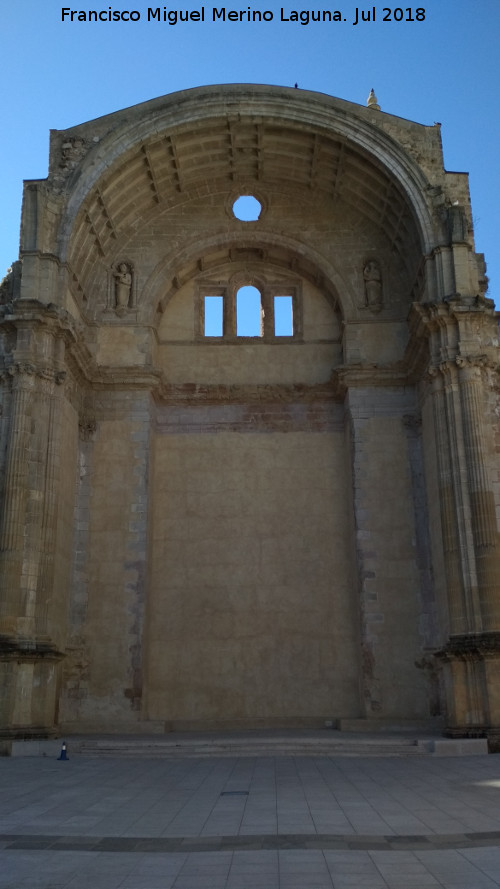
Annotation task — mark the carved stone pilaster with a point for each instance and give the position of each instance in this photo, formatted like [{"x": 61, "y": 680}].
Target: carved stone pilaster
[
  {"x": 28, "y": 654},
  {"x": 457, "y": 463},
  {"x": 28, "y": 672},
  {"x": 461, "y": 604},
  {"x": 461, "y": 334},
  {"x": 15, "y": 496},
  {"x": 471, "y": 663},
  {"x": 29, "y": 496},
  {"x": 50, "y": 500},
  {"x": 482, "y": 502}
]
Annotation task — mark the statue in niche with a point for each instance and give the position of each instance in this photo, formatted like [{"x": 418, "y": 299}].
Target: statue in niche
[
  {"x": 123, "y": 286},
  {"x": 373, "y": 285}
]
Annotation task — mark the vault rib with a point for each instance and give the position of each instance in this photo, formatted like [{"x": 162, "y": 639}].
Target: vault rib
[
  {"x": 314, "y": 161},
  {"x": 231, "y": 152},
  {"x": 106, "y": 213},
  {"x": 260, "y": 151},
  {"x": 174, "y": 160},
  {"x": 93, "y": 232},
  {"x": 151, "y": 174},
  {"x": 339, "y": 173}
]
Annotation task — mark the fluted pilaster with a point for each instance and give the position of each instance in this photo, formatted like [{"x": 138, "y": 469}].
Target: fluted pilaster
[
  {"x": 462, "y": 333},
  {"x": 482, "y": 503},
  {"x": 457, "y": 457},
  {"x": 12, "y": 573},
  {"x": 50, "y": 500},
  {"x": 448, "y": 503}
]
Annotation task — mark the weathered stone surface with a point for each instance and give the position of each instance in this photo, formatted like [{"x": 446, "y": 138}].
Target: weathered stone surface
[{"x": 208, "y": 529}]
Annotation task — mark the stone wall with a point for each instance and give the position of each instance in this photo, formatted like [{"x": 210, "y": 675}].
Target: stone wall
[{"x": 228, "y": 529}]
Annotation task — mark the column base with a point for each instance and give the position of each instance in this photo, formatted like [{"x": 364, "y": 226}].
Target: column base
[
  {"x": 29, "y": 681},
  {"x": 28, "y": 733},
  {"x": 15, "y": 647},
  {"x": 466, "y": 731},
  {"x": 471, "y": 668}
]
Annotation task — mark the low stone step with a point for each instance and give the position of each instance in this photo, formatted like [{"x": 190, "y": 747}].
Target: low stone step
[
  {"x": 280, "y": 747},
  {"x": 260, "y": 743}
]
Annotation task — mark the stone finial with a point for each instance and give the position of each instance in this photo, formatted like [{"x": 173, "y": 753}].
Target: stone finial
[{"x": 372, "y": 101}]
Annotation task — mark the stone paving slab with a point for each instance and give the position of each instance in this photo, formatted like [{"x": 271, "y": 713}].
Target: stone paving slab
[
  {"x": 250, "y": 823},
  {"x": 244, "y": 843}
]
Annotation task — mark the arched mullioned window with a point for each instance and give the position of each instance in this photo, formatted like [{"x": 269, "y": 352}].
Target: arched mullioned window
[{"x": 265, "y": 312}]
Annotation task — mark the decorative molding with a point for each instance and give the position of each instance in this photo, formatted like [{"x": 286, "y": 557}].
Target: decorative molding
[
  {"x": 368, "y": 376},
  {"x": 193, "y": 393},
  {"x": 28, "y": 650},
  {"x": 470, "y": 646},
  {"x": 87, "y": 427}
]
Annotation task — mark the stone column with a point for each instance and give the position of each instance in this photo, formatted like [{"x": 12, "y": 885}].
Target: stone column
[
  {"x": 456, "y": 461},
  {"x": 449, "y": 529},
  {"x": 463, "y": 333},
  {"x": 482, "y": 505},
  {"x": 28, "y": 654},
  {"x": 12, "y": 576},
  {"x": 50, "y": 496},
  {"x": 463, "y": 683}
]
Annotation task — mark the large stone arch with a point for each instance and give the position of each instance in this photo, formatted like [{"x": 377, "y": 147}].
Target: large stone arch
[
  {"x": 189, "y": 112},
  {"x": 234, "y": 530},
  {"x": 277, "y": 250},
  {"x": 121, "y": 173}
]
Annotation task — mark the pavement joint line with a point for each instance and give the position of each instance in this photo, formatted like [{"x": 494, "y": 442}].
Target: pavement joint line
[{"x": 348, "y": 842}]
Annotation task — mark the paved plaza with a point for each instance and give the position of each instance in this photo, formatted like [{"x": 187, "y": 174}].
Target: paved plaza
[{"x": 253, "y": 822}]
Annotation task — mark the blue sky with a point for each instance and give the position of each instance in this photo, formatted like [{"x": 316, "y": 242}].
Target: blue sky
[{"x": 445, "y": 68}]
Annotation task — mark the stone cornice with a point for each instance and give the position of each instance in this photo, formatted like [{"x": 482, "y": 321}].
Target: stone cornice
[
  {"x": 470, "y": 645},
  {"x": 34, "y": 312},
  {"x": 343, "y": 378},
  {"x": 368, "y": 376},
  {"x": 13, "y": 648},
  {"x": 128, "y": 378},
  {"x": 425, "y": 321},
  {"x": 440, "y": 336},
  {"x": 195, "y": 393},
  {"x": 437, "y": 314}
]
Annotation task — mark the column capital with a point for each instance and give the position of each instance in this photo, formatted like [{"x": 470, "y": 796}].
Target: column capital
[
  {"x": 469, "y": 365},
  {"x": 474, "y": 363},
  {"x": 24, "y": 372}
]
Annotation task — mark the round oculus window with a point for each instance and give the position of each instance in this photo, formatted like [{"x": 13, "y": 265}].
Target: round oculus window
[{"x": 246, "y": 208}]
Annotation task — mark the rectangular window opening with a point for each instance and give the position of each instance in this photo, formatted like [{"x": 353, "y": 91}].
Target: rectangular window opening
[
  {"x": 283, "y": 316},
  {"x": 214, "y": 316}
]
